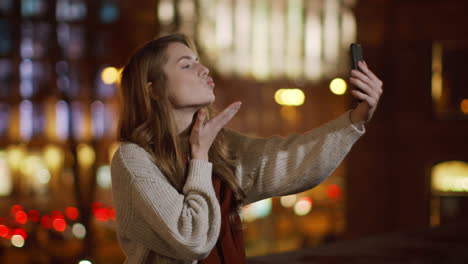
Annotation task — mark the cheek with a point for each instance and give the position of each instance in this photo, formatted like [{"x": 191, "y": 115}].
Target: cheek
[
  {"x": 179, "y": 93},
  {"x": 181, "y": 82}
]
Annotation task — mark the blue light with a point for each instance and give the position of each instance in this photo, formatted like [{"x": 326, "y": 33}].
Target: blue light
[
  {"x": 109, "y": 12},
  {"x": 4, "y": 119},
  {"x": 62, "y": 119},
  {"x": 32, "y": 7},
  {"x": 5, "y": 38},
  {"x": 26, "y": 117}
]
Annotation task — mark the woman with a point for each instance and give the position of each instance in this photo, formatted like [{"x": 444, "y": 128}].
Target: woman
[{"x": 180, "y": 177}]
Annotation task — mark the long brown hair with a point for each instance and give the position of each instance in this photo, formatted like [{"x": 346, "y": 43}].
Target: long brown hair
[{"x": 146, "y": 119}]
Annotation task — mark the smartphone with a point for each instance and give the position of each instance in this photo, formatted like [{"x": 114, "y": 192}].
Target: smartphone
[{"x": 356, "y": 55}]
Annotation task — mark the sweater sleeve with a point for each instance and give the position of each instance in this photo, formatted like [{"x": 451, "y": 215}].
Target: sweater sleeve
[
  {"x": 277, "y": 166},
  {"x": 178, "y": 225}
]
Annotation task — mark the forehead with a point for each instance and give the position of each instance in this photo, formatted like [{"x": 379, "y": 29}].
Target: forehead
[{"x": 176, "y": 50}]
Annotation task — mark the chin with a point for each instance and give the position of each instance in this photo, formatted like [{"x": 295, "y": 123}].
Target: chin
[
  {"x": 212, "y": 99},
  {"x": 207, "y": 102}
]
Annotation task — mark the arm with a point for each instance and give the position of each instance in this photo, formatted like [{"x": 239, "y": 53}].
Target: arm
[
  {"x": 277, "y": 166},
  {"x": 178, "y": 225}
]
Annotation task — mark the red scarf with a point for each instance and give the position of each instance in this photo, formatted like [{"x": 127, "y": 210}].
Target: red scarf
[{"x": 229, "y": 248}]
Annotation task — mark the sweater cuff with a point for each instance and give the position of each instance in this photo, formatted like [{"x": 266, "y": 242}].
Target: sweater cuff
[
  {"x": 359, "y": 127},
  {"x": 199, "y": 175}
]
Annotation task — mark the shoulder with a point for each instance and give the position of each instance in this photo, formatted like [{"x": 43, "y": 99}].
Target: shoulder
[
  {"x": 134, "y": 159},
  {"x": 131, "y": 151}
]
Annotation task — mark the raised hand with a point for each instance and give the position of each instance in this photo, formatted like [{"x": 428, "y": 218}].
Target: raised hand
[
  {"x": 371, "y": 91},
  {"x": 203, "y": 134}
]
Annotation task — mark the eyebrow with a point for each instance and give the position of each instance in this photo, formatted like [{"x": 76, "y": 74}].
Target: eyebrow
[{"x": 187, "y": 58}]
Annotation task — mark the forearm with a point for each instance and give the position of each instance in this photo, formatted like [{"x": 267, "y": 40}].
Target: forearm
[{"x": 277, "y": 166}]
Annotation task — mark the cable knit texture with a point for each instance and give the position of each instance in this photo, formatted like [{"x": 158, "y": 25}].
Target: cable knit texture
[{"x": 157, "y": 224}]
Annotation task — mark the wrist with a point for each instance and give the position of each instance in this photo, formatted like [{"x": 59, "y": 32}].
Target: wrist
[
  {"x": 200, "y": 156},
  {"x": 355, "y": 120}
]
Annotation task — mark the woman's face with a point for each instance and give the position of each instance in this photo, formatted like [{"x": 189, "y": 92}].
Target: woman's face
[{"x": 187, "y": 79}]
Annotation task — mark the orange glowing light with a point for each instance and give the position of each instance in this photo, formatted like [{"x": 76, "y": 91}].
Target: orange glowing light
[
  {"x": 20, "y": 232},
  {"x": 59, "y": 224},
  {"x": 21, "y": 217},
  {"x": 15, "y": 208},
  {"x": 71, "y": 212},
  {"x": 57, "y": 214},
  {"x": 96, "y": 205},
  {"x": 46, "y": 222},
  {"x": 4, "y": 231},
  {"x": 101, "y": 214},
  {"x": 334, "y": 191},
  {"x": 34, "y": 216}
]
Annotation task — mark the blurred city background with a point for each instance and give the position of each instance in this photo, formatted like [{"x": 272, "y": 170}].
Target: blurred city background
[{"x": 286, "y": 60}]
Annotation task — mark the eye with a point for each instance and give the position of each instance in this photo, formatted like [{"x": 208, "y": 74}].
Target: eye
[{"x": 186, "y": 66}]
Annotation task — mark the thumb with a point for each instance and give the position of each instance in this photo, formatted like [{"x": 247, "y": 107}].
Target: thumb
[{"x": 200, "y": 117}]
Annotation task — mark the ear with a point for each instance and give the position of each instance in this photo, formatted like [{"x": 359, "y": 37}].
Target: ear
[{"x": 149, "y": 89}]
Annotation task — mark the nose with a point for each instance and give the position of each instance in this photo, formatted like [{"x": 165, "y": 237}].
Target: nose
[{"x": 203, "y": 71}]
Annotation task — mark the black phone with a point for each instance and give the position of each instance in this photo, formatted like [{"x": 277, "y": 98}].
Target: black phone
[{"x": 356, "y": 55}]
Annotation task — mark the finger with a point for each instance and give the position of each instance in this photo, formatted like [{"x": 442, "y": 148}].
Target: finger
[
  {"x": 361, "y": 76},
  {"x": 370, "y": 74},
  {"x": 366, "y": 88},
  {"x": 226, "y": 112},
  {"x": 226, "y": 118},
  {"x": 199, "y": 121},
  {"x": 223, "y": 118},
  {"x": 370, "y": 101}
]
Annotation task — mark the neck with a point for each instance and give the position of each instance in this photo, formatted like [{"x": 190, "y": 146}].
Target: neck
[{"x": 183, "y": 120}]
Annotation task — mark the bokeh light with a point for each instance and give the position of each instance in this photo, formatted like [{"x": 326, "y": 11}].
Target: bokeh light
[
  {"x": 86, "y": 155},
  {"x": 79, "y": 230},
  {"x": 109, "y": 75},
  {"x": 333, "y": 191},
  {"x": 464, "y": 106},
  {"x": 256, "y": 210},
  {"x": 4, "y": 231},
  {"x": 17, "y": 241},
  {"x": 21, "y": 217},
  {"x": 450, "y": 176},
  {"x": 59, "y": 224},
  {"x": 16, "y": 154},
  {"x": 338, "y": 86},
  {"x": 15, "y": 208},
  {"x": 53, "y": 157},
  {"x": 288, "y": 201},
  {"x": 34, "y": 216},
  {"x": 290, "y": 97},
  {"x": 71, "y": 212},
  {"x": 303, "y": 206},
  {"x": 46, "y": 221},
  {"x": 104, "y": 177}
]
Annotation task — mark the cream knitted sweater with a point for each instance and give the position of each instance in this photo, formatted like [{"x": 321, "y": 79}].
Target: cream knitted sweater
[{"x": 157, "y": 224}]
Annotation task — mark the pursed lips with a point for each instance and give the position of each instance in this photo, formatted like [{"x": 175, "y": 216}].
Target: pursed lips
[{"x": 210, "y": 82}]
